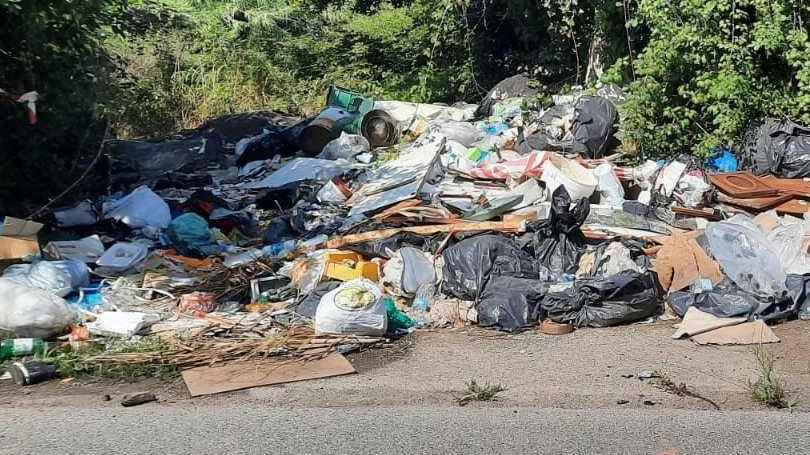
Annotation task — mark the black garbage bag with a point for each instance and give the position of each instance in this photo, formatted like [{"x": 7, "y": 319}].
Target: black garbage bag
[
  {"x": 384, "y": 248},
  {"x": 727, "y": 300},
  {"x": 594, "y": 125},
  {"x": 281, "y": 140},
  {"x": 308, "y": 305},
  {"x": 625, "y": 297},
  {"x": 557, "y": 242},
  {"x": 593, "y": 121},
  {"x": 510, "y": 303},
  {"x": 471, "y": 263},
  {"x": 799, "y": 291},
  {"x": 512, "y": 87},
  {"x": 776, "y": 146}
]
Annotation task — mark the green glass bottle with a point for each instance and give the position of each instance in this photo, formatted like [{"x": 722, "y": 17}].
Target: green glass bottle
[{"x": 17, "y": 347}]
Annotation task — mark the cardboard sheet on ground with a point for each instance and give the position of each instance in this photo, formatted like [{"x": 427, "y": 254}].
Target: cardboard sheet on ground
[
  {"x": 696, "y": 322},
  {"x": 755, "y": 332},
  {"x": 244, "y": 375}
]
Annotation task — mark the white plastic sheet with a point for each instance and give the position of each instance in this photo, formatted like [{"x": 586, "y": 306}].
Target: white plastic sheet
[
  {"x": 58, "y": 277},
  {"x": 140, "y": 208}
]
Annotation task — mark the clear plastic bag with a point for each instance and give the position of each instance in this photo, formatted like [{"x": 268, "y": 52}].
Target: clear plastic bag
[
  {"x": 746, "y": 256},
  {"x": 32, "y": 313}
]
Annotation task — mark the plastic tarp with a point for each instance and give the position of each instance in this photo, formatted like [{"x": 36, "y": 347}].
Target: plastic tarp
[
  {"x": 625, "y": 297},
  {"x": 299, "y": 169}
]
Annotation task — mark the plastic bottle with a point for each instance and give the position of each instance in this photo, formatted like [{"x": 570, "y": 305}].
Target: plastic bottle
[
  {"x": 280, "y": 249},
  {"x": 16, "y": 347},
  {"x": 421, "y": 304}
]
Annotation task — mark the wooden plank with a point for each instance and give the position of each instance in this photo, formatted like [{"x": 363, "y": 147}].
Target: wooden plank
[
  {"x": 742, "y": 185},
  {"x": 757, "y": 203},
  {"x": 460, "y": 226},
  {"x": 796, "y": 187},
  {"x": 244, "y": 375},
  {"x": 795, "y": 206}
]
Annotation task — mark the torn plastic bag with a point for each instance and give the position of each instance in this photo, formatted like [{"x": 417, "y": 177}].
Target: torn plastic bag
[
  {"x": 355, "y": 307},
  {"x": 32, "y": 313},
  {"x": 469, "y": 264},
  {"x": 775, "y": 146},
  {"x": 558, "y": 242},
  {"x": 622, "y": 298},
  {"x": 58, "y": 277},
  {"x": 519, "y": 85},
  {"x": 510, "y": 303},
  {"x": 139, "y": 209},
  {"x": 746, "y": 256}
]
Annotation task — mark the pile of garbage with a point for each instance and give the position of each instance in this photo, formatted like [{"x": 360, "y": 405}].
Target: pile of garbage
[{"x": 260, "y": 236}]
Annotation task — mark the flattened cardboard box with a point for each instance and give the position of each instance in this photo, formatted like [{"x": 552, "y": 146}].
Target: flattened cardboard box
[{"x": 18, "y": 238}]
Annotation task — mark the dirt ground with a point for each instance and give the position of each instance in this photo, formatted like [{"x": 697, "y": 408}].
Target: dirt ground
[{"x": 590, "y": 368}]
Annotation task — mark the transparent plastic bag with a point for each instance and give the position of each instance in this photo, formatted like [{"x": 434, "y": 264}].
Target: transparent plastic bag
[{"x": 746, "y": 256}]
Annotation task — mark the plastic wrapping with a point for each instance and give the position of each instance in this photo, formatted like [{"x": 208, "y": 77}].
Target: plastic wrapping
[
  {"x": 746, "y": 256},
  {"x": 32, "y": 313},
  {"x": 356, "y": 307},
  {"x": 625, "y": 297},
  {"x": 609, "y": 186},
  {"x": 777, "y": 146}
]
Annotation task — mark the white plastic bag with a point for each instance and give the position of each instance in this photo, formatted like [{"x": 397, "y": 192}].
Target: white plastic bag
[
  {"x": 355, "y": 307},
  {"x": 346, "y": 147},
  {"x": 32, "y": 313},
  {"x": 140, "y": 208},
  {"x": 58, "y": 277},
  {"x": 87, "y": 250}
]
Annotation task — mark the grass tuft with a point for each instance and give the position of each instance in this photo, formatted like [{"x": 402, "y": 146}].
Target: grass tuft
[
  {"x": 478, "y": 392},
  {"x": 769, "y": 389}
]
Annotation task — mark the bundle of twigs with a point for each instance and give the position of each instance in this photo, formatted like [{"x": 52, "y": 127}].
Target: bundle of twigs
[{"x": 294, "y": 343}]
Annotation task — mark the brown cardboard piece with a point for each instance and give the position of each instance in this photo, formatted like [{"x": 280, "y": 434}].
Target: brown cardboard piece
[
  {"x": 755, "y": 332},
  {"x": 18, "y": 238},
  {"x": 695, "y": 322},
  {"x": 681, "y": 261},
  {"x": 244, "y": 375}
]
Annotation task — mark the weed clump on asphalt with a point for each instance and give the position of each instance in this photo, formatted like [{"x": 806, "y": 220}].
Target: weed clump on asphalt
[
  {"x": 769, "y": 389},
  {"x": 668, "y": 385},
  {"x": 478, "y": 392}
]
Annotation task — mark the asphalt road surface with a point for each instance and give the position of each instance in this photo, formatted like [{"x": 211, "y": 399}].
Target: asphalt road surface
[{"x": 171, "y": 429}]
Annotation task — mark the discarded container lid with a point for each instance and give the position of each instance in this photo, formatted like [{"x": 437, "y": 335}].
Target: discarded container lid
[
  {"x": 31, "y": 372},
  {"x": 379, "y": 128},
  {"x": 550, "y": 327}
]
